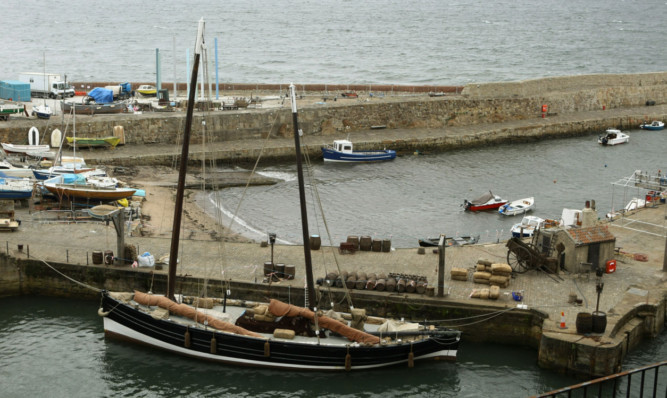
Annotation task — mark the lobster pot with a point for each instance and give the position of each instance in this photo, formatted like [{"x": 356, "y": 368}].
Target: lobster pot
[
  {"x": 289, "y": 271},
  {"x": 268, "y": 268},
  {"x": 377, "y": 245},
  {"x": 98, "y": 257},
  {"x": 386, "y": 245},
  {"x": 400, "y": 285},
  {"x": 584, "y": 323},
  {"x": 108, "y": 257},
  {"x": 315, "y": 242},
  {"x": 354, "y": 240},
  {"x": 279, "y": 269},
  {"x": 411, "y": 286},
  {"x": 365, "y": 243}
]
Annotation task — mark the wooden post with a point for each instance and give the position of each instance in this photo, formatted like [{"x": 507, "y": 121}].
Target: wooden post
[{"x": 441, "y": 266}]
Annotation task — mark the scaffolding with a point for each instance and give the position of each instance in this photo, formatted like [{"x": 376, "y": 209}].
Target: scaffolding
[{"x": 644, "y": 190}]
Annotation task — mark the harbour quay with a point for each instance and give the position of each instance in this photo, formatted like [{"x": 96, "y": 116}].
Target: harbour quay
[{"x": 407, "y": 121}]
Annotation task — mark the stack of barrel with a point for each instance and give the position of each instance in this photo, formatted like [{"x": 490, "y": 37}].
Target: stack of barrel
[
  {"x": 494, "y": 274},
  {"x": 366, "y": 243},
  {"x": 379, "y": 282}
]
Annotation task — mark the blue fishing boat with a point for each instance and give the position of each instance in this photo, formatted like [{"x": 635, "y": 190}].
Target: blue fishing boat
[
  {"x": 654, "y": 125},
  {"x": 342, "y": 151}
]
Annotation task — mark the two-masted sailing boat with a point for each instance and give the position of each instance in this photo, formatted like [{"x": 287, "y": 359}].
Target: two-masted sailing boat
[{"x": 287, "y": 337}]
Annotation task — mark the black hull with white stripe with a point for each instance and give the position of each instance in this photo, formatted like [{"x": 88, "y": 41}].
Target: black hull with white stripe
[{"x": 130, "y": 322}]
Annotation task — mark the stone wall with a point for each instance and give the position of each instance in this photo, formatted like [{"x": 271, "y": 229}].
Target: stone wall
[{"x": 480, "y": 104}]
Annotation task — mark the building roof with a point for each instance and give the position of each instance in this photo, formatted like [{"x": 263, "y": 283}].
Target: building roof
[{"x": 590, "y": 235}]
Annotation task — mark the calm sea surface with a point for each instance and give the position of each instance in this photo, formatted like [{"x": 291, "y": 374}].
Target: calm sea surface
[
  {"x": 56, "y": 348},
  {"x": 443, "y": 42}
]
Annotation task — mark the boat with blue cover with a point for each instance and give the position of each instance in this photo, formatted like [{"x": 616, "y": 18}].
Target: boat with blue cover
[{"x": 342, "y": 151}]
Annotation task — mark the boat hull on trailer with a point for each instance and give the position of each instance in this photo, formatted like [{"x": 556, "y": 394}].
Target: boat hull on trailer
[
  {"x": 93, "y": 109},
  {"x": 125, "y": 321}
]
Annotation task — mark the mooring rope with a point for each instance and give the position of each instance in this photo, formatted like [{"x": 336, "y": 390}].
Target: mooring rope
[{"x": 70, "y": 278}]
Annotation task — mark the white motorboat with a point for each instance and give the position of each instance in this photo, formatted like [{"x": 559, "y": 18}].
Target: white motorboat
[
  {"x": 613, "y": 137},
  {"x": 527, "y": 226},
  {"x": 519, "y": 206}
]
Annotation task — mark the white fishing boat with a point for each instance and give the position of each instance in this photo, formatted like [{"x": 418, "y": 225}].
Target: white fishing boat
[
  {"x": 613, "y": 137},
  {"x": 527, "y": 226},
  {"x": 515, "y": 207}
]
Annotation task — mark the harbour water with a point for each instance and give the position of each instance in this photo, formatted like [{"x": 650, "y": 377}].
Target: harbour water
[
  {"x": 56, "y": 348},
  {"x": 430, "y": 42},
  {"x": 417, "y": 196}
]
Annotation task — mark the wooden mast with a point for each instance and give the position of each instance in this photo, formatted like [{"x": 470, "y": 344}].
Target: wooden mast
[
  {"x": 302, "y": 201},
  {"x": 178, "y": 208}
]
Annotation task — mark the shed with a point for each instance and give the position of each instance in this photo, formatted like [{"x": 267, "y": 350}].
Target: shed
[{"x": 574, "y": 246}]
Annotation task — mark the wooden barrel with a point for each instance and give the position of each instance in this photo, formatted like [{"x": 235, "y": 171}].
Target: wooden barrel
[
  {"x": 354, "y": 240},
  {"x": 599, "y": 321},
  {"x": 370, "y": 283},
  {"x": 268, "y": 268},
  {"x": 351, "y": 280},
  {"x": 341, "y": 279},
  {"x": 376, "y": 245},
  {"x": 315, "y": 242},
  {"x": 411, "y": 286},
  {"x": 290, "y": 269},
  {"x": 108, "y": 257},
  {"x": 391, "y": 285},
  {"x": 98, "y": 257},
  {"x": 330, "y": 279},
  {"x": 584, "y": 323},
  {"x": 430, "y": 291},
  {"x": 421, "y": 287},
  {"x": 421, "y": 250},
  {"x": 361, "y": 281},
  {"x": 386, "y": 245},
  {"x": 279, "y": 269},
  {"x": 380, "y": 284},
  {"x": 400, "y": 285},
  {"x": 365, "y": 243}
]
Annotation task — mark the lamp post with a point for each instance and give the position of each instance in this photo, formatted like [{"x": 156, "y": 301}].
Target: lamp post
[
  {"x": 598, "y": 286},
  {"x": 272, "y": 241}
]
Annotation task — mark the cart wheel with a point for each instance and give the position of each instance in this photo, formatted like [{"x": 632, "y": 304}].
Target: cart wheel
[{"x": 518, "y": 258}]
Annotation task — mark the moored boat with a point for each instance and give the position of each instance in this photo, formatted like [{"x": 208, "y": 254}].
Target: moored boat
[
  {"x": 488, "y": 201},
  {"x": 85, "y": 142},
  {"x": 286, "y": 337},
  {"x": 342, "y": 151},
  {"x": 519, "y": 206},
  {"x": 527, "y": 226},
  {"x": 42, "y": 111},
  {"x": 15, "y": 188},
  {"x": 450, "y": 241},
  {"x": 147, "y": 90},
  {"x": 75, "y": 186},
  {"x": 654, "y": 125},
  {"x": 18, "y": 149},
  {"x": 613, "y": 137}
]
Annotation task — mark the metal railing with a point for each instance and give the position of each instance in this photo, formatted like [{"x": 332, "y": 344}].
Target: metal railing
[{"x": 621, "y": 384}]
